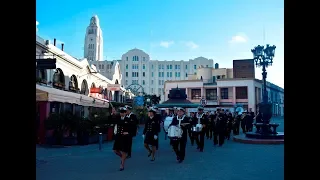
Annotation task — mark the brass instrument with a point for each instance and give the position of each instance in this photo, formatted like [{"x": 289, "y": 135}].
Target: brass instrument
[{"x": 240, "y": 110}]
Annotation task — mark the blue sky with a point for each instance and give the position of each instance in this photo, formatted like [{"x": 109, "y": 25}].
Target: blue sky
[{"x": 171, "y": 29}]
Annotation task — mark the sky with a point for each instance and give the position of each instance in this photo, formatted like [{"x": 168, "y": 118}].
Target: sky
[{"x": 222, "y": 30}]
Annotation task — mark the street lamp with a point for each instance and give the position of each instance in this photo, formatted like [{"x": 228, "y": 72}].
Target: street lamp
[{"x": 263, "y": 57}]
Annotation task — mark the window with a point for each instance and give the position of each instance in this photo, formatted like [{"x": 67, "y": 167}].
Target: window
[
  {"x": 170, "y": 66},
  {"x": 176, "y": 66},
  {"x": 159, "y": 74},
  {"x": 127, "y": 66},
  {"x": 151, "y": 74},
  {"x": 151, "y": 82},
  {"x": 159, "y": 66},
  {"x": 135, "y": 74},
  {"x": 102, "y": 66},
  {"x": 167, "y": 66},
  {"x": 176, "y": 74},
  {"x": 144, "y": 58},
  {"x": 186, "y": 74},
  {"x": 159, "y": 90},
  {"x": 126, "y": 82},
  {"x": 143, "y": 74},
  {"x": 162, "y": 66},
  {"x": 159, "y": 82},
  {"x": 195, "y": 93},
  {"x": 168, "y": 74},
  {"x": 241, "y": 92},
  {"x": 143, "y": 66},
  {"x": 152, "y": 66},
  {"x": 127, "y": 58},
  {"x": 135, "y": 82},
  {"x": 224, "y": 93},
  {"x": 218, "y": 77},
  {"x": 186, "y": 66},
  {"x": 99, "y": 66},
  {"x": 127, "y": 74},
  {"x": 162, "y": 74},
  {"x": 195, "y": 66},
  {"x": 143, "y": 82},
  {"x": 211, "y": 94},
  {"x": 151, "y": 90}
]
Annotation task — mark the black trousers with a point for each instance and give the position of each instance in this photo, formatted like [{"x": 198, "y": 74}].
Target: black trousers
[
  {"x": 209, "y": 132},
  {"x": 218, "y": 138},
  {"x": 249, "y": 127},
  {"x": 191, "y": 137},
  {"x": 199, "y": 137},
  {"x": 236, "y": 129},
  {"x": 179, "y": 147},
  {"x": 130, "y": 146},
  {"x": 228, "y": 133}
]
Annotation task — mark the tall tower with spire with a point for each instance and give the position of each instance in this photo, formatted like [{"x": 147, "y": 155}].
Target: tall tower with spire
[{"x": 93, "y": 42}]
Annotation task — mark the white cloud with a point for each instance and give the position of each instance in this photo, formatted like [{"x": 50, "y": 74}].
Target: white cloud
[
  {"x": 240, "y": 38},
  {"x": 37, "y": 23},
  {"x": 166, "y": 44},
  {"x": 191, "y": 45}
]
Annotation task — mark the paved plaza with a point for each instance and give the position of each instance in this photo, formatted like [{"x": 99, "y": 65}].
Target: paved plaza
[{"x": 233, "y": 161}]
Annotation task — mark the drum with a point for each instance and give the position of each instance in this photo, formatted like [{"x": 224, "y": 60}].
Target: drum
[
  {"x": 174, "y": 132},
  {"x": 197, "y": 128},
  {"x": 166, "y": 123}
]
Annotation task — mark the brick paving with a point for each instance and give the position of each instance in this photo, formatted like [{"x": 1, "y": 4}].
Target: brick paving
[{"x": 233, "y": 161}]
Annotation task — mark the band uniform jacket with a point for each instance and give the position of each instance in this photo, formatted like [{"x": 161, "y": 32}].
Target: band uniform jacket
[
  {"x": 134, "y": 121},
  {"x": 151, "y": 128},
  {"x": 121, "y": 142},
  {"x": 203, "y": 121},
  {"x": 175, "y": 122},
  {"x": 159, "y": 118},
  {"x": 221, "y": 123}
]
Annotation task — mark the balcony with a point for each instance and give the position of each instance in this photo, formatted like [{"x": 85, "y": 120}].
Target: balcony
[{"x": 208, "y": 82}]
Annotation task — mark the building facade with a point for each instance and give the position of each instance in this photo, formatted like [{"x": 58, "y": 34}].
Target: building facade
[
  {"x": 138, "y": 70},
  {"x": 93, "y": 42},
  {"x": 78, "y": 74},
  {"x": 228, "y": 92}
]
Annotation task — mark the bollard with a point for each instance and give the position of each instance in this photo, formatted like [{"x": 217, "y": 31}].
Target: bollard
[{"x": 100, "y": 141}]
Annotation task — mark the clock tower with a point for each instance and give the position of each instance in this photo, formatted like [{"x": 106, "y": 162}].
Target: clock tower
[{"x": 93, "y": 42}]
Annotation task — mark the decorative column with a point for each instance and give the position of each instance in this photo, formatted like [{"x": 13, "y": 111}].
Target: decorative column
[{"x": 234, "y": 97}]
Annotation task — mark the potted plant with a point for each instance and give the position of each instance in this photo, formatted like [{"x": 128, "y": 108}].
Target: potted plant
[{"x": 70, "y": 125}]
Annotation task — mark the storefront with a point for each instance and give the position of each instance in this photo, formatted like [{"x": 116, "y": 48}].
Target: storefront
[{"x": 49, "y": 100}]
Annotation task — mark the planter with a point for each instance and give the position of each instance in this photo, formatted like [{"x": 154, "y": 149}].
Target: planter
[
  {"x": 69, "y": 141},
  {"x": 93, "y": 139},
  {"x": 51, "y": 140}
]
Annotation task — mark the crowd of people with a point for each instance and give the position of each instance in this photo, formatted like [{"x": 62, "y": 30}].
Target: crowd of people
[{"x": 216, "y": 126}]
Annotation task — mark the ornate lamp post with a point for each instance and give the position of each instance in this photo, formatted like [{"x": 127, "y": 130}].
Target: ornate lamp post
[{"x": 263, "y": 57}]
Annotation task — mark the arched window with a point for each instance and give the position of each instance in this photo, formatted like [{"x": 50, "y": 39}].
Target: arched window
[
  {"x": 58, "y": 79},
  {"x": 41, "y": 76},
  {"x": 73, "y": 83},
  {"x": 84, "y": 88}
]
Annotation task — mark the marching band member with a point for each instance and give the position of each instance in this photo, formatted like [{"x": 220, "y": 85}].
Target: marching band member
[
  {"x": 236, "y": 123},
  {"x": 179, "y": 145},
  {"x": 150, "y": 133},
  {"x": 243, "y": 121},
  {"x": 134, "y": 129},
  {"x": 121, "y": 144},
  {"x": 211, "y": 119},
  {"x": 159, "y": 118},
  {"x": 192, "y": 115},
  {"x": 228, "y": 124},
  {"x": 200, "y": 119},
  {"x": 219, "y": 128}
]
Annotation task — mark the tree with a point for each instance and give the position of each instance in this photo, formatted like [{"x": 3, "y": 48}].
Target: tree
[{"x": 154, "y": 99}]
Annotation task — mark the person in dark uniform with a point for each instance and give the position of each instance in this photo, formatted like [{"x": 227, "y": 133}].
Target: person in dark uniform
[
  {"x": 258, "y": 119},
  {"x": 200, "y": 118},
  {"x": 179, "y": 145},
  {"x": 150, "y": 133},
  {"x": 219, "y": 128},
  {"x": 228, "y": 125},
  {"x": 134, "y": 129},
  {"x": 249, "y": 123},
  {"x": 209, "y": 131},
  {"x": 158, "y": 116},
  {"x": 175, "y": 110},
  {"x": 121, "y": 144},
  {"x": 192, "y": 115},
  {"x": 243, "y": 121},
  {"x": 236, "y": 123},
  {"x": 171, "y": 112}
]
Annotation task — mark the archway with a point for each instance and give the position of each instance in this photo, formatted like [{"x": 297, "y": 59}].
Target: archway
[
  {"x": 41, "y": 76},
  {"x": 117, "y": 82},
  {"x": 73, "y": 83},
  {"x": 84, "y": 88},
  {"x": 58, "y": 79},
  {"x": 93, "y": 85}
]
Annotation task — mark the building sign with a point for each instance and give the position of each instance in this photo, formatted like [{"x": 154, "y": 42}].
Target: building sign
[
  {"x": 203, "y": 102},
  {"x": 113, "y": 87}
]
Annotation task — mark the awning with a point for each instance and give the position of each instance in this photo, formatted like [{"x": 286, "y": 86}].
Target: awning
[{"x": 45, "y": 93}]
